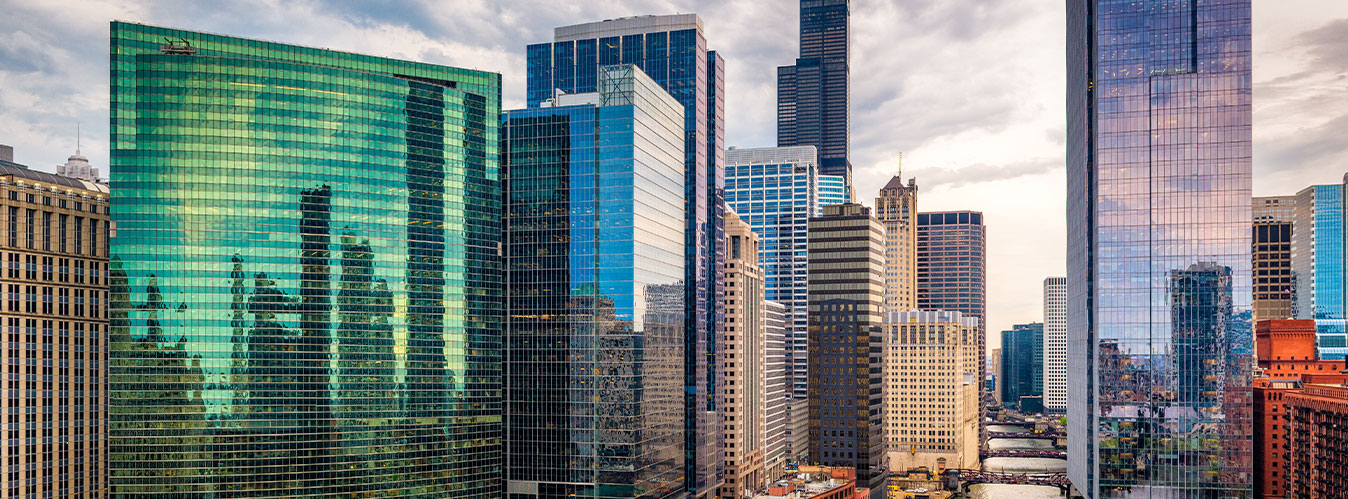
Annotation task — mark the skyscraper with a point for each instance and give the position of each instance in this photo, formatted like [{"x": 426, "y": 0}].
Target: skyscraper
[
  {"x": 1022, "y": 366},
  {"x": 932, "y": 381},
  {"x": 1158, "y": 248},
  {"x": 1272, "y": 239},
  {"x": 813, "y": 96},
  {"x": 896, "y": 207},
  {"x": 847, "y": 345},
  {"x": 776, "y": 190},
  {"x": 777, "y": 377},
  {"x": 55, "y": 249},
  {"x": 1319, "y": 270},
  {"x": 745, "y": 342},
  {"x": 594, "y": 292},
  {"x": 305, "y": 295},
  {"x": 1055, "y": 345},
  {"x": 952, "y": 274},
  {"x": 673, "y": 52}
]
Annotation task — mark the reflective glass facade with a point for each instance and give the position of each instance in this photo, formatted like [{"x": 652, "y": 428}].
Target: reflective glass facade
[
  {"x": 776, "y": 190},
  {"x": 1159, "y": 282},
  {"x": 1022, "y": 364},
  {"x": 305, "y": 284},
  {"x": 595, "y": 293},
  {"x": 673, "y": 52},
  {"x": 1318, "y": 269},
  {"x": 833, "y": 190},
  {"x": 813, "y": 98}
]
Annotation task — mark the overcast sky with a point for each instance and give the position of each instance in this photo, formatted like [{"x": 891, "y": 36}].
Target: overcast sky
[{"x": 970, "y": 91}]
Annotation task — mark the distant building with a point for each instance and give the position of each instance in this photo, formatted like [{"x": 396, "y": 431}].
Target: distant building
[
  {"x": 846, "y": 341},
  {"x": 896, "y": 207},
  {"x": 777, "y": 379},
  {"x": 1317, "y": 448},
  {"x": 55, "y": 256},
  {"x": 1022, "y": 365},
  {"x": 1271, "y": 236},
  {"x": 815, "y": 482},
  {"x": 813, "y": 96},
  {"x": 833, "y": 190},
  {"x": 995, "y": 374},
  {"x": 1055, "y": 345},
  {"x": 952, "y": 272},
  {"x": 744, "y": 414},
  {"x": 78, "y": 167},
  {"x": 932, "y": 378},
  {"x": 1318, "y": 268},
  {"x": 596, "y": 296}
]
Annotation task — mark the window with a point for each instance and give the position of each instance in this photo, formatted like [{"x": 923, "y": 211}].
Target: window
[
  {"x": 93, "y": 237},
  {"x": 13, "y": 225},
  {"x": 46, "y": 231},
  {"x": 28, "y": 227},
  {"x": 61, "y": 238},
  {"x": 79, "y": 235}
]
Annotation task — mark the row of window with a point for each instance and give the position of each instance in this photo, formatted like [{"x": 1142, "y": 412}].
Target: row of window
[{"x": 48, "y": 231}]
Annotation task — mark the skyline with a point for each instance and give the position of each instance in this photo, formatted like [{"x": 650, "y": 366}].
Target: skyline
[{"x": 926, "y": 106}]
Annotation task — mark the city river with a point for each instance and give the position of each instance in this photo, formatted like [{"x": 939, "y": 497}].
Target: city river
[{"x": 1018, "y": 464}]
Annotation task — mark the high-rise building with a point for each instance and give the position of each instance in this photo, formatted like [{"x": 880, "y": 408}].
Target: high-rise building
[
  {"x": 594, "y": 292},
  {"x": 1272, "y": 252},
  {"x": 932, "y": 378},
  {"x": 896, "y": 207},
  {"x": 776, "y": 379},
  {"x": 776, "y": 190},
  {"x": 813, "y": 96},
  {"x": 55, "y": 254},
  {"x": 745, "y": 350},
  {"x": 671, "y": 50},
  {"x": 1055, "y": 345},
  {"x": 846, "y": 342},
  {"x": 1022, "y": 364},
  {"x": 305, "y": 294},
  {"x": 1158, "y": 248},
  {"x": 1316, "y": 447},
  {"x": 1319, "y": 270},
  {"x": 952, "y": 273},
  {"x": 833, "y": 189}
]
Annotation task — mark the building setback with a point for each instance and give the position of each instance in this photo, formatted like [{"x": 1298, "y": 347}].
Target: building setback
[
  {"x": 55, "y": 256},
  {"x": 594, "y": 290},
  {"x": 305, "y": 295},
  {"x": 1318, "y": 266},
  {"x": 1159, "y": 347},
  {"x": 932, "y": 380},
  {"x": 846, "y": 343},
  {"x": 813, "y": 100},
  {"x": 672, "y": 51},
  {"x": 896, "y": 207},
  {"x": 1272, "y": 252},
  {"x": 1055, "y": 345}
]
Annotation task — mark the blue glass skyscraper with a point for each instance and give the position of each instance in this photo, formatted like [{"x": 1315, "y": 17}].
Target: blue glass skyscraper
[
  {"x": 1318, "y": 269},
  {"x": 833, "y": 189},
  {"x": 1158, "y": 248},
  {"x": 813, "y": 95},
  {"x": 672, "y": 51},
  {"x": 1022, "y": 364},
  {"x": 594, "y": 287}
]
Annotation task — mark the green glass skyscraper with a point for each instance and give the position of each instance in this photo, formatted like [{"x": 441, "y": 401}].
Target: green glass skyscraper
[{"x": 305, "y": 281}]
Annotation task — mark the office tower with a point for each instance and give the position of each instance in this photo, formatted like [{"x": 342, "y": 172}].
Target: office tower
[
  {"x": 1022, "y": 365},
  {"x": 1055, "y": 345},
  {"x": 833, "y": 189},
  {"x": 1272, "y": 253},
  {"x": 594, "y": 292},
  {"x": 55, "y": 254},
  {"x": 745, "y": 343},
  {"x": 896, "y": 207},
  {"x": 813, "y": 96},
  {"x": 671, "y": 50},
  {"x": 933, "y": 377},
  {"x": 1317, "y": 449},
  {"x": 776, "y": 190},
  {"x": 1318, "y": 268},
  {"x": 1158, "y": 248},
  {"x": 846, "y": 343},
  {"x": 952, "y": 273},
  {"x": 777, "y": 377},
  {"x": 306, "y": 293}
]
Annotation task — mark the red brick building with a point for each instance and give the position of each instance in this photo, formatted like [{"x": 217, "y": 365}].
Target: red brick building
[
  {"x": 1287, "y": 359},
  {"x": 1318, "y": 441}
]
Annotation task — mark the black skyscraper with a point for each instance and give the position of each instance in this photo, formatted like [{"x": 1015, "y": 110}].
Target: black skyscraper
[{"x": 813, "y": 95}]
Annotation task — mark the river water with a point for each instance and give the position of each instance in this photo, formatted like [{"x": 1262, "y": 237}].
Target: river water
[{"x": 1018, "y": 464}]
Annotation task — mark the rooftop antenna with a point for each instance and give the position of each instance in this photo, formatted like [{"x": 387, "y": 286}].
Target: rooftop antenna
[
  {"x": 77, "y": 138},
  {"x": 900, "y": 172}
]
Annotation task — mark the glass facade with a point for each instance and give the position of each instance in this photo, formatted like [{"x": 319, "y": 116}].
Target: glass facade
[
  {"x": 672, "y": 51},
  {"x": 1159, "y": 281},
  {"x": 305, "y": 284},
  {"x": 813, "y": 99},
  {"x": 1318, "y": 269},
  {"x": 1022, "y": 365},
  {"x": 776, "y": 190},
  {"x": 595, "y": 293},
  {"x": 952, "y": 274},
  {"x": 833, "y": 190}
]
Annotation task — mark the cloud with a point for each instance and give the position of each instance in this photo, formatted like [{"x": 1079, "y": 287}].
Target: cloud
[{"x": 953, "y": 178}]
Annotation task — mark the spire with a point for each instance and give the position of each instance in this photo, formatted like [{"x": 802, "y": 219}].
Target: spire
[{"x": 77, "y": 141}]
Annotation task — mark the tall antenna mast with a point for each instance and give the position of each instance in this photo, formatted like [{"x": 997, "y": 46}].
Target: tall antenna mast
[{"x": 77, "y": 139}]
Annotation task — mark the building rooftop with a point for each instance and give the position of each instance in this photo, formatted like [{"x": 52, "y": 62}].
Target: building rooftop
[
  {"x": 12, "y": 170},
  {"x": 627, "y": 26}
]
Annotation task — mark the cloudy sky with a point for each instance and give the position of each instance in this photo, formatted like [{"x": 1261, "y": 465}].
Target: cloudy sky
[{"x": 969, "y": 91}]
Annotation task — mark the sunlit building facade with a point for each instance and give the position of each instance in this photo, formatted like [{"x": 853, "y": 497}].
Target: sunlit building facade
[
  {"x": 745, "y": 366},
  {"x": 1055, "y": 345},
  {"x": 1319, "y": 270},
  {"x": 305, "y": 287},
  {"x": 932, "y": 383},
  {"x": 896, "y": 207},
  {"x": 1158, "y": 253},
  {"x": 1274, "y": 286}
]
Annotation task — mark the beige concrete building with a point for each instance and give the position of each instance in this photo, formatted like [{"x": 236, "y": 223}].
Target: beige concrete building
[
  {"x": 54, "y": 247},
  {"x": 777, "y": 382},
  {"x": 932, "y": 379},
  {"x": 896, "y": 207},
  {"x": 745, "y": 424}
]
